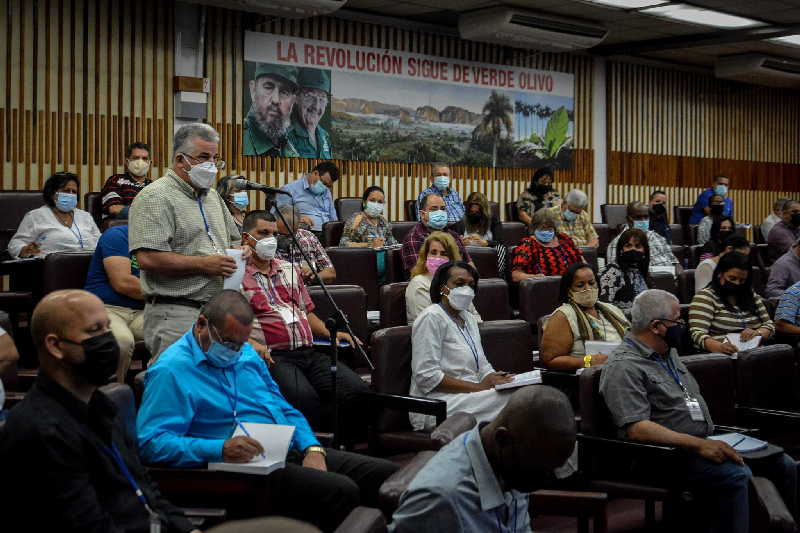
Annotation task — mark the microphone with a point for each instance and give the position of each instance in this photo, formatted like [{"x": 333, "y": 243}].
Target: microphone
[{"x": 241, "y": 183}]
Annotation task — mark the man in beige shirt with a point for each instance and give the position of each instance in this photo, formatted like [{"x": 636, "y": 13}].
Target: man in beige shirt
[
  {"x": 575, "y": 220},
  {"x": 179, "y": 230}
]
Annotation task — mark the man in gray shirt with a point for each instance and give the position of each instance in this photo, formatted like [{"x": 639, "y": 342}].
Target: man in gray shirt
[
  {"x": 784, "y": 273},
  {"x": 785, "y": 233},
  {"x": 653, "y": 398},
  {"x": 481, "y": 480},
  {"x": 178, "y": 232}
]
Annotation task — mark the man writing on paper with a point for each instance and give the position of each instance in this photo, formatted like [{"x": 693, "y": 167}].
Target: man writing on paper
[
  {"x": 653, "y": 398},
  {"x": 68, "y": 463},
  {"x": 179, "y": 231},
  {"x": 210, "y": 380}
]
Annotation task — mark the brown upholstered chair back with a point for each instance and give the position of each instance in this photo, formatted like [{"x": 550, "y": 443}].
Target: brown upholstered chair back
[
  {"x": 664, "y": 281},
  {"x": 538, "y": 297},
  {"x": 693, "y": 253},
  {"x": 512, "y": 233},
  {"x": 332, "y": 233},
  {"x": 401, "y": 228},
  {"x": 485, "y": 260},
  {"x": 677, "y": 234},
  {"x": 512, "y": 214},
  {"x": 122, "y": 396},
  {"x": 595, "y": 416},
  {"x": 351, "y": 299},
  {"x": 13, "y": 207},
  {"x": 590, "y": 254},
  {"x": 65, "y": 270},
  {"x": 357, "y": 266},
  {"x": 680, "y": 253},
  {"x": 605, "y": 234},
  {"x": 410, "y": 207},
  {"x": 508, "y": 345},
  {"x": 686, "y": 286},
  {"x": 766, "y": 378},
  {"x": 614, "y": 214},
  {"x": 491, "y": 299},
  {"x": 346, "y": 206},
  {"x": 715, "y": 375},
  {"x": 392, "y": 304},
  {"x": 391, "y": 354},
  {"x": 93, "y": 204}
]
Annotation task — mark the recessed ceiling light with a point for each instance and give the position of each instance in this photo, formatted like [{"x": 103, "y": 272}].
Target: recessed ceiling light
[
  {"x": 699, "y": 15},
  {"x": 629, "y": 4},
  {"x": 792, "y": 40}
]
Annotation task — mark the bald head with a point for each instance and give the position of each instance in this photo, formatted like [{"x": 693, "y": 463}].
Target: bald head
[
  {"x": 59, "y": 311},
  {"x": 541, "y": 412}
]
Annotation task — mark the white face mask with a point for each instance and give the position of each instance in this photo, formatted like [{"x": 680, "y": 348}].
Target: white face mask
[
  {"x": 374, "y": 209},
  {"x": 202, "y": 175},
  {"x": 266, "y": 248},
  {"x": 138, "y": 167},
  {"x": 461, "y": 297}
]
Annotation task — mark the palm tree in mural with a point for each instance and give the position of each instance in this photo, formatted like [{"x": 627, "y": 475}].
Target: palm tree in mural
[
  {"x": 518, "y": 109},
  {"x": 497, "y": 113}
]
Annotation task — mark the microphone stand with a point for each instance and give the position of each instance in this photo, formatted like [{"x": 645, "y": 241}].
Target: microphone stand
[{"x": 338, "y": 319}]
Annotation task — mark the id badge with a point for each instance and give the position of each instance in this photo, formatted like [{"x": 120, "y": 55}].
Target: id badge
[
  {"x": 155, "y": 523},
  {"x": 288, "y": 316},
  {"x": 695, "y": 411}
]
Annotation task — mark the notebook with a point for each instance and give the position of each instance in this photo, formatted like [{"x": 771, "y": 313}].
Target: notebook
[
  {"x": 736, "y": 340},
  {"x": 600, "y": 347},
  {"x": 740, "y": 443},
  {"x": 274, "y": 438},
  {"x": 520, "y": 380}
]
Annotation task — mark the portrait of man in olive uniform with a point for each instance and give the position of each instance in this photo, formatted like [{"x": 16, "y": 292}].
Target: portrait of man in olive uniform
[
  {"x": 306, "y": 135},
  {"x": 273, "y": 93}
]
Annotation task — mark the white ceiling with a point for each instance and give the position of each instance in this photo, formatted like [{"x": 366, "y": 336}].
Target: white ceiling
[{"x": 624, "y": 26}]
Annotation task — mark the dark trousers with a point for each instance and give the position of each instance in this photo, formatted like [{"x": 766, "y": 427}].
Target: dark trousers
[
  {"x": 326, "y": 498},
  {"x": 304, "y": 377}
]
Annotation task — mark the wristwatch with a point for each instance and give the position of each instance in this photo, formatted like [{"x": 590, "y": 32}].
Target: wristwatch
[
  {"x": 319, "y": 449},
  {"x": 587, "y": 361}
]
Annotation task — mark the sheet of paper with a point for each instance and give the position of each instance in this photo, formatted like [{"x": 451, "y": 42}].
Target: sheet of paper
[
  {"x": 520, "y": 380},
  {"x": 235, "y": 281},
  {"x": 662, "y": 268},
  {"x": 600, "y": 347},
  {"x": 736, "y": 340}
]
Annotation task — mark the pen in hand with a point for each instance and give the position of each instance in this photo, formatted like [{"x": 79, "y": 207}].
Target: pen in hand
[{"x": 247, "y": 433}]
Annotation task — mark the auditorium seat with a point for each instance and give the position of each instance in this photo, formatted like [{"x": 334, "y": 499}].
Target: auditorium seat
[
  {"x": 64, "y": 270},
  {"x": 351, "y": 299},
  {"x": 346, "y": 206},
  {"x": 760, "y": 278},
  {"x": 363, "y": 520},
  {"x": 410, "y": 208},
  {"x": 614, "y": 214},
  {"x": 494, "y": 208},
  {"x": 400, "y": 229},
  {"x": 693, "y": 254},
  {"x": 332, "y": 233},
  {"x": 664, "y": 281},
  {"x": 681, "y": 214},
  {"x": 512, "y": 233},
  {"x": 538, "y": 297},
  {"x": 590, "y": 255},
  {"x": 512, "y": 213},
  {"x": 491, "y": 299},
  {"x": 93, "y": 204},
  {"x": 508, "y": 345},
  {"x": 680, "y": 254},
  {"x": 759, "y": 255},
  {"x": 356, "y": 266},
  {"x": 392, "y": 304},
  {"x": 394, "y": 266},
  {"x": 605, "y": 234},
  {"x": 485, "y": 260},
  {"x": 390, "y": 430},
  {"x": 677, "y": 234},
  {"x": 691, "y": 233},
  {"x": 14, "y": 205},
  {"x": 686, "y": 286}
]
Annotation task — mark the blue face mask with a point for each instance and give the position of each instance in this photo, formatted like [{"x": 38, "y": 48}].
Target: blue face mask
[
  {"x": 240, "y": 199},
  {"x": 318, "y": 189},
  {"x": 721, "y": 190},
  {"x": 570, "y": 216},
  {"x": 441, "y": 182},
  {"x": 437, "y": 219},
  {"x": 221, "y": 355},
  {"x": 643, "y": 225},
  {"x": 66, "y": 202},
  {"x": 544, "y": 236}
]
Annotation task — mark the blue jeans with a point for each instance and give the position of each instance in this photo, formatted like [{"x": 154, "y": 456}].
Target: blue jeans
[{"x": 727, "y": 487}]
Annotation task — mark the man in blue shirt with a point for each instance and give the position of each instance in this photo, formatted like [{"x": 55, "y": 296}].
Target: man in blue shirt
[
  {"x": 440, "y": 184},
  {"x": 210, "y": 380},
  {"x": 721, "y": 186},
  {"x": 114, "y": 278},
  {"x": 481, "y": 480},
  {"x": 311, "y": 195}
]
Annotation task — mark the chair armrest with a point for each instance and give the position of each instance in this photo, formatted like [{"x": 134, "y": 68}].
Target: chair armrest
[
  {"x": 363, "y": 520},
  {"x": 396, "y": 484},
  {"x": 768, "y": 418},
  {"x": 719, "y": 428},
  {"x": 628, "y": 446},
  {"x": 768, "y": 512},
  {"x": 569, "y": 503},
  {"x": 454, "y": 425},
  {"x": 409, "y": 404}
]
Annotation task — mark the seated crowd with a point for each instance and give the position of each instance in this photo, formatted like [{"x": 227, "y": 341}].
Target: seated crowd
[{"x": 221, "y": 358}]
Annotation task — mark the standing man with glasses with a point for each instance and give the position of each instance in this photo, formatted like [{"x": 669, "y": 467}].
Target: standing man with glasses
[{"x": 179, "y": 230}]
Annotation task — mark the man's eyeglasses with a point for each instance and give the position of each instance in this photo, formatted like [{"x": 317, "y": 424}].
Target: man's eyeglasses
[
  {"x": 678, "y": 322},
  {"x": 235, "y": 346},
  {"x": 217, "y": 160}
]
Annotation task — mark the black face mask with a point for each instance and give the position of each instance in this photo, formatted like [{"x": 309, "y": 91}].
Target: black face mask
[
  {"x": 659, "y": 211},
  {"x": 732, "y": 289},
  {"x": 724, "y": 234},
  {"x": 540, "y": 190},
  {"x": 101, "y": 357},
  {"x": 796, "y": 220},
  {"x": 674, "y": 335},
  {"x": 474, "y": 218},
  {"x": 633, "y": 258},
  {"x": 716, "y": 210}
]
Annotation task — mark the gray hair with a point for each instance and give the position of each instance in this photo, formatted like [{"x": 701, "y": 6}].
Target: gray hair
[
  {"x": 780, "y": 203},
  {"x": 789, "y": 203},
  {"x": 543, "y": 216},
  {"x": 577, "y": 198},
  {"x": 183, "y": 141},
  {"x": 650, "y": 305}
]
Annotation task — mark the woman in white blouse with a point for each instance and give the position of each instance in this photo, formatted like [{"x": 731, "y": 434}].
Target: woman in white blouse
[
  {"x": 438, "y": 249},
  {"x": 57, "y": 226},
  {"x": 447, "y": 361}
]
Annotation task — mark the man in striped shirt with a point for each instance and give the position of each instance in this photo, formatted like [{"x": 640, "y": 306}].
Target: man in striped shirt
[
  {"x": 120, "y": 189},
  {"x": 787, "y": 317}
]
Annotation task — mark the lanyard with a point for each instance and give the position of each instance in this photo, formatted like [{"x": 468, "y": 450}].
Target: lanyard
[
  {"x": 77, "y": 235},
  {"x": 497, "y": 512},
  {"x": 208, "y": 229},
  {"x": 115, "y": 456},
  {"x": 234, "y": 400},
  {"x": 467, "y": 338}
]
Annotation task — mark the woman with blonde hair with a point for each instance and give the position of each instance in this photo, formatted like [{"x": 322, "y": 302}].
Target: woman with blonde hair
[{"x": 439, "y": 248}]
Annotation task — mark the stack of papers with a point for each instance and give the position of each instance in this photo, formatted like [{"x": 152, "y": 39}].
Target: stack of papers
[
  {"x": 234, "y": 281},
  {"x": 520, "y": 380},
  {"x": 736, "y": 340},
  {"x": 275, "y": 440},
  {"x": 600, "y": 347},
  {"x": 740, "y": 443}
]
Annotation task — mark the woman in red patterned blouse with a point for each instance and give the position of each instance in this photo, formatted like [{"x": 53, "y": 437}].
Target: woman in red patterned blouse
[{"x": 546, "y": 252}]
